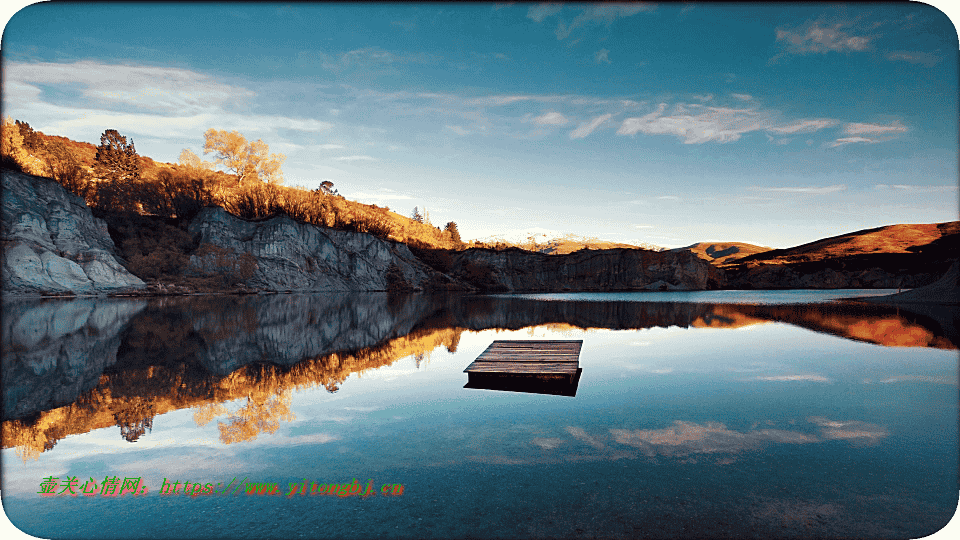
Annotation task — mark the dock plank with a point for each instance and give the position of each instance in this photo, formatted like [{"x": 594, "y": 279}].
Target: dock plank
[{"x": 529, "y": 357}]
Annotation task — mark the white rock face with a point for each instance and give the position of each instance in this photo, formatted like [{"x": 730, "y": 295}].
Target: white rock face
[
  {"x": 53, "y": 244},
  {"x": 301, "y": 257}
]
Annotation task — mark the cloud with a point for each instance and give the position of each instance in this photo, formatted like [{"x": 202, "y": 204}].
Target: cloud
[
  {"x": 811, "y": 190},
  {"x": 548, "y": 443},
  {"x": 850, "y": 140},
  {"x": 819, "y": 39},
  {"x": 458, "y": 130},
  {"x": 587, "y": 128},
  {"x": 685, "y": 438},
  {"x": 803, "y": 126},
  {"x": 697, "y": 124},
  {"x": 383, "y": 194},
  {"x": 873, "y": 129},
  {"x": 914, "y": 57},
  {"x": 151, "y": 89},
  {"x": 917, "y": 189},
  {"x": 551, "y": 119},
  {"x": 603, "y": 55},
  {"x": 539, "y": 12},
  {"x": 355, "y": 158},
  {"x": 603, "y": 13},
  {"x": 581, "y": 435},
  {"x": 702, "y": 98},
  {"x": 814, "y": 378},
  {"x": 328, "y": 146},
  {"x": 853, "y": 430},
  {"x": 743, "y": 97}
]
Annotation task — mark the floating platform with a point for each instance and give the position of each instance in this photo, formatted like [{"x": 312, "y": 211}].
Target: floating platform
[{"x": 535, "y": 366}]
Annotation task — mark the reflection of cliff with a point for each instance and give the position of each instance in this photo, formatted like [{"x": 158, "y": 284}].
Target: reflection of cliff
[
  {"x": 143, "y": 360},
  {"x": 139, "y": 393},
  {"x": 55, "y": 350},
  {"x": 889, "y": 326}
]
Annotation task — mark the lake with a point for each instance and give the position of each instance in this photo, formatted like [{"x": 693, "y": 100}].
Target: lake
[{"x": 706, "y": 414}]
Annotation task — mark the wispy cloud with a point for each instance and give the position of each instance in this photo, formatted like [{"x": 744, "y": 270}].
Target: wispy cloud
[
  {"x": 906, "y": 188},
  {"x": 696, "y": 124},
  {"x": 587, "y": 128},
  {"x": 603, "y": 13},
  {"x": 355, "y": 158},
  {"x": 602, "y": 56},
  {"x": 807, "y": 189},
  {"x": 873, "y": 129},
  {"x": 914, "y": 57},
  {"x": 383, "y": 194},
  {"x": 539, "y": 12},
  {"x": 813, "y": 378},
  {"x": 818, "y": 38},
  {"x": 851, "y": 140},
  {"x": 803, "y": 126},
  {"x": 551, "y": 119},
  {"x": 743, "y": 97}
]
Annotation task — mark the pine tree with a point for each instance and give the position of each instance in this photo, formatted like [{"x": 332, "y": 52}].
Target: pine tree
[
  {"x": 116, "y": 161},
  {"x": 451, "y": 228}
]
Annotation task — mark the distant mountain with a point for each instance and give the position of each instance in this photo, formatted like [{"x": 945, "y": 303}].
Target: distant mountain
[
  {"x": 720, "y": 253},
  {"x": 556, "y": 243}
]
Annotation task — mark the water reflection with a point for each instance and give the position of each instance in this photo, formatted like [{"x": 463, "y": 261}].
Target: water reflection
[{"x": 72, "y": 366}]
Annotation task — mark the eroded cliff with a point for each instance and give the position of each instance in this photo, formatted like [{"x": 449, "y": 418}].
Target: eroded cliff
[{"x": 53, "y": 244}]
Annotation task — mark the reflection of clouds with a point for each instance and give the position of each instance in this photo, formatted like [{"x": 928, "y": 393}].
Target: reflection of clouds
[
  {"x": 815, "y": 378},
  {"x": 920, "y": 378},
  {"x": 548, "y": 443},
  {"x": 684, "y": 438},
  {"x": 583, "y": 436},
  {"x": 852, "y": 430}
]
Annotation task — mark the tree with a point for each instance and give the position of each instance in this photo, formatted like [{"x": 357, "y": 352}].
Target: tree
[
  {"x": 326, "y": 188},
  {"x": 454, "y": 233},
  {"x": 416, "y": 215},
  {"x": 189, "y": 159},
  {"x": 247, "y": 160},
  {"x": 116, "y": 161},
  {"x": 64, "y": 168}
]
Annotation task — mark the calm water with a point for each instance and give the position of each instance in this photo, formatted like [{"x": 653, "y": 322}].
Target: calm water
[{"x": 717, "y": 414}]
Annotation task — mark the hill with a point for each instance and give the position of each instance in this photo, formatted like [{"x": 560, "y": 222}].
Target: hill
[
  {"x": 904, "y": 238},
  {"x": 720, "y": 253}
]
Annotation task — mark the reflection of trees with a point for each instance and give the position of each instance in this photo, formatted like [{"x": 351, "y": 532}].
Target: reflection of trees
[{"x": 132, "y": 397}]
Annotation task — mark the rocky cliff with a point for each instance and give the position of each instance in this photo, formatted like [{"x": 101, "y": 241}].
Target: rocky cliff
[
  {"x": 53, "y": 244},
  {"x": 586, "y": 270},
  {"x": 280, "y": 254}
]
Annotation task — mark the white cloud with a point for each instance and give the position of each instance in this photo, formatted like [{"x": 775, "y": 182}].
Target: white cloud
[
  {"x": 551, "y": 119},
  {"x": 602, "y": 13},
  {"x": 705, "y": 124},
  {"x": 816, "y": 38},
  {"x": 355, "y": 158},
  {"x": 743, "y": 97},
  {"x": 803, "y": 126},
  {"x": 154, "y": 89},
  {"x": 806, "y": 189},
  {"x": 458, "y": 130},
  {"x": 914, "y": 57},
  {"x": 328, "y": 146},
  {"x": 814, "y": 378},
  {"x": 539, "y": 12},
  {"x": 917, "y": 189},
  {"x": 873, "y": 129},
  {"x": 382, "y": 194},
  {"x": 587, "y": 128},
  {"x": 603, "y": 55},
  {"x": 850, "y": 140}
]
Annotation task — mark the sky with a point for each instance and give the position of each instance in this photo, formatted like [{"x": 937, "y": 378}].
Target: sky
[{"x": 665, "y": 124}]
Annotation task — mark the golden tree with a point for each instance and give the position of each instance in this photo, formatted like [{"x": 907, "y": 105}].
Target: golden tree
[{"x": 248, "y": 160}]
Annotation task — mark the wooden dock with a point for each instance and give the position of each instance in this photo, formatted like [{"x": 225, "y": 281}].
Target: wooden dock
[{"x": 542, "y": 359}]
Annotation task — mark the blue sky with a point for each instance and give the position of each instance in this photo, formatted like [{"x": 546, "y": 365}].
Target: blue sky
[{"x": 663, "y": 124}]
